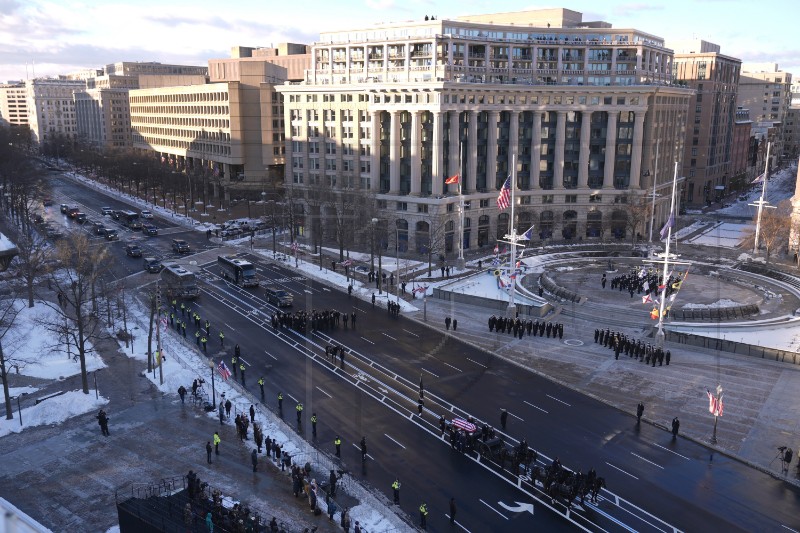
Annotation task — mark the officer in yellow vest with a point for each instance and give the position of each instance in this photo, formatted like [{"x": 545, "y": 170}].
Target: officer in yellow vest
[
  {"x": 234, "y": 364},
  {"x": 396, "y": 491},
  {"x": 423, "y": 515},
  {"x": 299, "y": 410},
  {"x": 221, "y": 339},
  {"x": 197, "y": 338},
  {"x": 261, "y": 386},
  {"x": 338, "y": 443},
  {"x": 241, "y": 369},
  {"x": 314, "y": 424},
  {"x": 204, "y": 341},
  {"x": 280, "y": 401}
]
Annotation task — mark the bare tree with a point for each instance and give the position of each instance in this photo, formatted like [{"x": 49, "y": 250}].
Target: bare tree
[
  {"x": 34, "y": 254},
  {"x": 638, "y": 211},
  {"x": 774, "y": 230},
  {"x": 8, "y": 313},
  {"x": 78, "y": 282}
]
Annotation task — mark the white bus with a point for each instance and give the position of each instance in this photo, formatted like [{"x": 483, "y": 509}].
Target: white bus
[
  {"x": 239, "y": 271},
  {"x": 178, "y": 282}
]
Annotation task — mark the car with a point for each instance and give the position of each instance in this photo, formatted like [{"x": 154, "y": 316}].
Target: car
[
  {"x": 135, "y": 225},
  {"x": 99, "y": 228},
  {"x": 72, "y": 212},
  {"x": 279, "y": 297},
  {"x": 361, "y": 269},
  {"x": 133, "y": 250},
  {"x": 152, "y": 265},
  {"x": 80, "y": 217},
  {"x": 149, "y": 229},
  {"x": 115, "y": 214},
  {"x": 47, "y": 201},
  {"x": 180, "y": 246},
  {"x": 38, "y": 219},
  {"x": 106, "y": 211},
  {"x": 64, "y": 208},
  {"x": 146, "y": 214},
  {"x": 111, "y": 234}
]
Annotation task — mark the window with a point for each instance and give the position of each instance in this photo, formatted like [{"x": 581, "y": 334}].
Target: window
[
  {"x": 422, "y": 208},
  {"x": 402, "y": 206},
  {"x": 547, "y": 199},
  {"x": 450, "y": 208},
  {"x": 571, "y": 199},
  {"x": 484, "y": 203}
]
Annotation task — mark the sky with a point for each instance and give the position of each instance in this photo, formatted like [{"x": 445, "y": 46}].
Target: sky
[{"x": 44, "y": 37}]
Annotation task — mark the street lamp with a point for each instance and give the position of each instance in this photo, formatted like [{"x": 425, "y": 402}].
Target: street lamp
[
  {"x": 380, "y": 266},
  {"x": 213, "y": 390},
  {"x": 19, "y": 411}
]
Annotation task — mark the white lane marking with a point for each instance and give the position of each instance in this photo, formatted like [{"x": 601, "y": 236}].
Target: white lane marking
[
  {"x": 615, "y": 520},
  {"x": 453, "y": 367},
  {"x": 411, "y": 333},
  {"x": 457, "y": 523},
  {"x": 227, "y": 326},
  {"x": 477, "y": 363},
  {"x": 269, "y": 354},
  {"x": 391, "y": 439},
  {"x": 790, "y": 529},
  {"x": 429, "y": 372},
  {"x": 389, "y": 336},
  {"x": 670, "y": 451},
  {"x": 242, "y": 359},
  {"x": 647, "y": 461},
  {"x": 515, "y": 416},
  {"x": 493, "y": 509},
  {"x": 325, "y": 393},
  {"x": 326, "y": 289},
  {"x": 308, "y": 291},
  {"x": 369, "y": 341},
  {"x": 292, "y": 398},
  {"x": 358, "y": 447},
  {"x": 621, "y": 470},
  {"x": 535, "y": 407},
  {"x": 559, "y": 401}
]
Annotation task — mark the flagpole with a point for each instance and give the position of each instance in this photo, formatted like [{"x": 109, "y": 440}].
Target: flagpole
[
  {"x": 512, "y": 307},
  {"x": 460, "y": 264},
  {"x": 663, "y": 299},
  {"x": 761, "y": 200}
]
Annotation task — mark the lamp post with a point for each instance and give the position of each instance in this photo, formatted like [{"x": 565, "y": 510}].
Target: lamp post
[
  {"x": 19, "y": 410},
  {"x": 380, "y": 265},
  {"x": 372, "y": 247},
  {"x": 213, "y": 389},
  {"x": 397, "y": 262}
]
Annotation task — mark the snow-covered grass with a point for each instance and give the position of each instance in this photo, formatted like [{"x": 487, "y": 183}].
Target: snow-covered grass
[
  {"x": 53, "y": 411},
  {"x": 718, "y": 304}
]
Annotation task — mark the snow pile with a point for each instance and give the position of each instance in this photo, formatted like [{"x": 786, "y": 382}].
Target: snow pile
[
  {"x": 53, "y": 411},
  {"x": 716, "y": 305}
]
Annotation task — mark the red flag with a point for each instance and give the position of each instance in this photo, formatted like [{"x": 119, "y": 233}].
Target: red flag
[
  {"x": 451, "y": 180},
  {"x": 222, "y": 368}
]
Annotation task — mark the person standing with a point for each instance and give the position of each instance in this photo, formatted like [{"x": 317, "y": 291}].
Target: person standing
[
  {"x": 280, "y": 402},
  {"x": 299, "y": 409},
  {"x": 252, "y": 414},
  {"x": 208, "y": 451},
  {"x": 217, "y": 440},
  {"x": 332, "y": 482},
  {"x": 453, "y": 510},
  {"x": 228, "y": 406},
  {"x": 363, "y": 448},
  {"x": 338, "y": 443},
  {"x": 314, "y": 424},
  {"x": 102, "y": 420},
  {"x": 639, "y": 412},
  {"x": 241, "y": 369},
  {"x": 254, "y": 459},
  {"x": 447, "y": 323},
  {"x": 221, "y": 413},
  {"x": 503, "y": 419},
  {"x": 455, "y": 324},
  {"x": 423, "y": 515},
  {"x": 676, "y": 424},
  {"x": 261, "y": 386},
  {"x": 396, "y": 491},
  {"x": 182, "y": 393}
]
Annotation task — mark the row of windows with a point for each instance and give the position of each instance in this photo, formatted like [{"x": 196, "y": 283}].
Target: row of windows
[
  {"x": 181, "y": 98},
  {"x": 215, "y": 149},
  {"x": 216, "y": 136},
  {"x": 182, "y": 110},
  {"x": 194, "y": 122}
]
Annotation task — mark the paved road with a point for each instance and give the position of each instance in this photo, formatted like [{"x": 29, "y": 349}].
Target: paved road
[{"x": 376, "y": 395}]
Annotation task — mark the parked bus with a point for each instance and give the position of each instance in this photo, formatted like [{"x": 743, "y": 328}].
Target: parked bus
[
  {"x": 178, "y": 282},
  {"x": 237, "y": 270},
  {"x": 130, "y": 219}
]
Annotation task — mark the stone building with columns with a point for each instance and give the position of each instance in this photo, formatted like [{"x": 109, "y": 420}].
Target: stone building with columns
[{"x": 574, "y": 110}]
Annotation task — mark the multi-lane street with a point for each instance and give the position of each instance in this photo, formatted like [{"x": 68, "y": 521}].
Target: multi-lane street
[{"x": 654, "y": 483}]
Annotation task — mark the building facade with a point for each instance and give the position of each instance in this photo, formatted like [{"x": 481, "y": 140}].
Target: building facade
[
  {"x": 231, "y": 128},
  {"x": 575, "y": 110},
  {"x": 13, "y": 104},
  {"x": 103, "y": 117},
  {"x": 742, "y": 167},
  {"x": 767, "y": 92},
  {"x": 51, "y": 108},
  {"x": 712, "y": 118}
]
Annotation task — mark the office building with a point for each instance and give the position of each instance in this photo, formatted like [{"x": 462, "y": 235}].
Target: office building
[
  {"x": 575, "y": 109},
  {"x": 13, "y": 104},
  {"x": 767, "y": 92},
  {"x": 231, "y": 127},
  {"x": 51, "y": 108},
  {"x": 712, "y": 118},
  {"x": 742, "y": 169}
]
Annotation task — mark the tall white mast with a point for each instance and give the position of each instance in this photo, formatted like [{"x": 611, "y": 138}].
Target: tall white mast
[
  {"x": 460, "y": 263},
  {"x": 665, "y": 275},
  {"x": 512, "y": 306},
  {"x": 761, "y": 201}
]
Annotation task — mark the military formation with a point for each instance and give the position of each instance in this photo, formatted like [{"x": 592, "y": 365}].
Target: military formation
[
  {"x": 636, "y": 349},
  {"x": 303, "y": 322},
  {"x": 518, "y": 327}
]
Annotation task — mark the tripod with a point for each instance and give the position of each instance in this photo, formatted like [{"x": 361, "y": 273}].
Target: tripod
[{"x": 780, "y": 457}]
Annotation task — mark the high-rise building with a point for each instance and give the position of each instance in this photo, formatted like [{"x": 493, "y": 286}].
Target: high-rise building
[
  {"x": 51, "y": 108},
  {"x": 13, "y": 104},
  {"x": 767, "y": 92},
  {"x": 791, "y": 133},
  {"x": 742, "y": 168},
  {"x": 232, "y": 127},
  {"x": 712, "y": 117},
  {"x": 575, "y": 109}
]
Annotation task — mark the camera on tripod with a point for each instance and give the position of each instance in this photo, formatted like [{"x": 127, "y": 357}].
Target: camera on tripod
[{"x": 782, "y": 448}]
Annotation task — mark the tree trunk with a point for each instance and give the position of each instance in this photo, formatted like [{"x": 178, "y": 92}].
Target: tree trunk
[
  {"x": 150, "y": 334},
  {"x": 6, "y": 395}
]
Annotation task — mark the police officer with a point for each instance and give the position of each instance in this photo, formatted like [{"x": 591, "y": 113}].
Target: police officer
[
  {"x": 423, "y": 515},
  {"x": 503, "y": 419},
  {"x": 234, "y": 364},
  {"x": 396, "y": 491},
  {"x": 183, "y": 309},
  {"x": 639, "y": 412},
  {"x": 280, "y": 401},
  {"x": 299, "y": 409},
  {"x": 236, "y": 351},
  {"x": 197, "y": 338},
  {"x": 183, "y": 327},
  {"x": 204, "y": 341},
  {"x": 261, "y": 386},
  {"x": 338, "y": 443},
  {"x": 314, "y": 424},
  {"x": 241, "y": 369},
  {"x": 208, "y": 327},
  {"x": 221, "y": 339}
]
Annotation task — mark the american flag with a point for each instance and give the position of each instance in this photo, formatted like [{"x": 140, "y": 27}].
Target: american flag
[
  {"x": 451, "y": 180},
  {"x": 421, "y": 289},
  {"x": 715, "y": 405},
  {"x": 460, "y": 423},
  {"x": 294, "y": 246},
  {"x": 347, "y": 262},
  {"x": 504, "y": 200},
  {"x": 223, "y": 370}
]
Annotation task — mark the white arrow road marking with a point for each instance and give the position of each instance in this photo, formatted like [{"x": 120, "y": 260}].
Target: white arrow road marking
[{"x": 520, "y": 508}]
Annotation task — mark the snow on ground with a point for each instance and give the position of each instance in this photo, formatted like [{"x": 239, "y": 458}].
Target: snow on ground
[
  {"x": 719, "y": 303},
  {"x": 53, "y": 411},
  {"x": 724, "y": 235},
  {"x": 5, "y": 243},
  {"x": 780, "y": 186},
  {"x": 33, "y": 351}
]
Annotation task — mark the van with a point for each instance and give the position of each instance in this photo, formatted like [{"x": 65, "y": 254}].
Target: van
[
  {"x": 279, "y": 297},
  {"x": 152, "y": 265}
]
